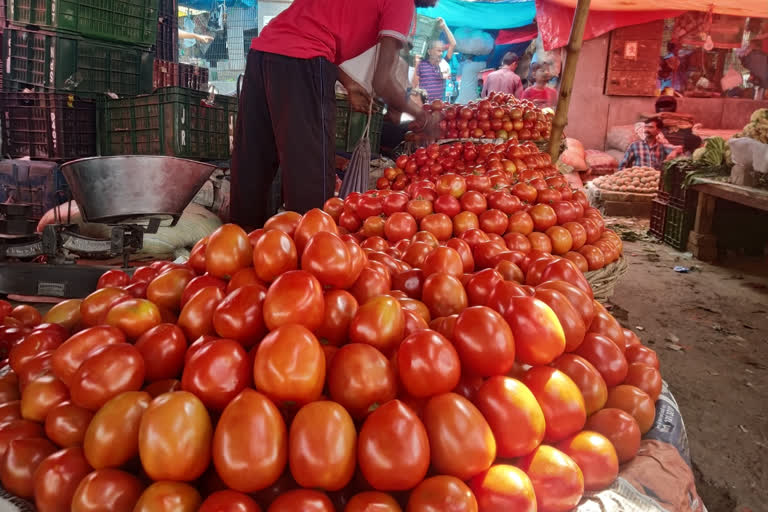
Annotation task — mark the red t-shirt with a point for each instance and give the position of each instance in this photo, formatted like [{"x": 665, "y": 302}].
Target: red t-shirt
[
  {"x": 547, "y": 94},
  {"x": 338, "y": 30}
]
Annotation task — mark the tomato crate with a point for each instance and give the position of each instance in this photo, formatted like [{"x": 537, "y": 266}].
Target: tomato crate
[
  {"x": 677, "y": 226},
  {"x": 658, "y": 218},
  {"x": 171, "y": 121},
  {"x": 193, "y": 77},
  {"x": 124, "y": 21},
  {"x": 50, "y": 61},
  {"x": 166, "y": 74},
  {"x": 167, "y": 41},
  {"x": 351, "y": 125},
  {"x": 48, "y": 126}
]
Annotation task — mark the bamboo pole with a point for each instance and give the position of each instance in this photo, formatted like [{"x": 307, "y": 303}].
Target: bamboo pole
[{"x": 566, "y": 84}]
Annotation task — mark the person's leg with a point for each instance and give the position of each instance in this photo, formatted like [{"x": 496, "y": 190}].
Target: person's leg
[
  {"x": 302, "y": 104},
  {"x": 254, "y": 157}
]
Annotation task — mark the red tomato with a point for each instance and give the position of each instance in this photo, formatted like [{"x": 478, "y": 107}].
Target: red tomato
[
  {"x": 163, "y": 348},
  {"x": 595, "y": 257},
  {"x": 399, "y": 226},
  {"x": 322, "y": 445},
  {"x": 113, "y": 279},
  {"x": 642, "y": 354},
  {"x": 286, "y": 222},
  {"x": 198, "y": 284},
  {"x": 327, "y": 257},
  {"x": 578, "y": 298},
  {"x": 10, "y": 411},
  {"x": 444, "y": 295},
  {"x": 480, "y": 286},
  {"x": 294, "y": 298},
  {"x": 578, "y": 234},
  {"x": 26, "y": 314},
  {"x": 442, "y": 493},
  {"x": 484, "y": 341},
  {"x": 393, "y": 203},
  {"x": 119, "y": 489},
  {"x": 644, "y": 377},
  {"x": 561, "y": 238},
  {"x": 587, "y": 378},
  {"x": 41, "y": 395},
  {"x": 169, "y": 497},
  {"x": 487, "y": 253},
  {"x": 439, "y": 224},
  {"x": 513, "y": 414},
  {"x": 605, "y": 324},
  {"x": 634, "y": 401},
  {"x": 239, "y": 316},
  {"x": 31, "y": 345},
  {"x": 474, "y": 202},
  {"x": 197, "y": 256},
  {"x": 107, "y": 372},
  {"x": 371, "y": 501},
  {"x": 371, "y": 283},
  {"x": 605, "y": 356},
  {"x": 428, "y": 364},
  {"x": 465, "y": 251},
  {"x": 380, "y": 323},
  {"x": 57, "y": 478},
  {"x": 134, "y": 317},
  {"x": 620, "y": 428},
  {"x": 393, "y": 448},
  {"x": 333, "y": 207},
  {"x": 543, "y": 217},
  {"x": 71, "y": 354},
  {"x": 144, "y": 274},
  {"x": 494, "y": 221},
  {"x": 569, "y": 318},
  {"x": 557, "y": 480},
  {"x": 539, "y": 337},
  {"x": 243, "y": 277},
  {"x": 508, "y": 270},
  {"x": 448, "y": 205},
  {"x": 560, "y": 400},
  {"x": 166, "y": 289},
  {"x": 578, "y": 260},
  {"x": 19, "y": 463},
  {"x": 464, "y": 222},
  {"x": 290, "y": 366},
  {"x": 112, "y": 437},
  {"x": 94, "y": 308},
  {"x": 217, "y": 372},
  {"x": 303, "y": 500},
  {"x": 360, "y": 378},
  {"x": 312, "y": 222},
  {"x": 520, "y": 222},
  {"x": 250, "y": 433},
  {"x": 274, "y": 254},
  {"x": 595, "y": 456},
  {"x": 340, "y": 309},
  {"x": 176, "y": 427},
  {"x": 540, "y": 242},
  {"x": 229, "y": 501},
  {"x": 504, "y": 487},
  {"x": 66, "y": 314},
  {"x": 227, "y": 251},
  {"x": 445, "y": 260}
]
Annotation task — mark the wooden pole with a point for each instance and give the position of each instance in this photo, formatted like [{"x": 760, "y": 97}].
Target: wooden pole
[{"x": 569, "y": 73}]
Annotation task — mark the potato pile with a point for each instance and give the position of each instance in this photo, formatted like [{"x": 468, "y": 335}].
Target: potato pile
[{"x": 640, "y": 180}]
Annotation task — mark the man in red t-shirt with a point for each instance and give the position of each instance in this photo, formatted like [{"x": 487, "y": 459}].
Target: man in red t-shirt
[
  {"x": 287, "y": 111},
  {"x": 540, "y": 93}
]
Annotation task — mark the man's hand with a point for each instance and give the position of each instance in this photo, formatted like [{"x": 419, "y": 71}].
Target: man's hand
[
  {"x": 359, "y": 99},
  {"x": 427, "y": 127},
  {"x": 203, "y": 39}
]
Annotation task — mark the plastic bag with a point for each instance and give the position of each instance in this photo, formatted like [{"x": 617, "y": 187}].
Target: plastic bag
[
  {"x": 473, "y": 42},
  {"x": 750, "y": 154}
]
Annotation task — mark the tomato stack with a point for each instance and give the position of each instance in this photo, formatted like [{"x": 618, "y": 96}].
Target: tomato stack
[
  {"x": 500, "y": 116},
  {"x": 514, "y": 199},
  {"x": 294, "y": 369}
]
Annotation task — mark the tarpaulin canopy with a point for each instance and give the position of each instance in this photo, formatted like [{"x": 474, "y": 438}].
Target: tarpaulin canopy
[
  {"x": 484, "y": 15},
  {"x": 517, "y": 35},
  {"x": 751, "y": 8},
  {"x": 554, "y": 21}
]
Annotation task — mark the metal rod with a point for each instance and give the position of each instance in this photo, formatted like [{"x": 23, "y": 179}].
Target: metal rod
[{"x": 569, "y": 73}]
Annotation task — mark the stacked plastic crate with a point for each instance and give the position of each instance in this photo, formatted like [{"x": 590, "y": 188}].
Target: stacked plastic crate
[{"x": 673, "y": 210}]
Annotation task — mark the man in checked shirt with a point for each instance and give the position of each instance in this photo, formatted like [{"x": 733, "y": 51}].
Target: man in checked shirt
[{"x": 649, "y": 152}]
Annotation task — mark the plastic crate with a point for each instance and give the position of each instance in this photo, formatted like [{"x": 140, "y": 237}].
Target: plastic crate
[
  {"x": 426, "y": 31},
  {"x": 38, "y": 183},
  {"x": 677, "y": 226},
  {"x": 166, "y": 74},
  {"x": 351, "y": 125},
  {"x": 193, "y": 77},
  {"x": 125, "y": 21},
  {"x": 171, "y": 121},
  {"x": 671, "y": 183},
  {"x": 55, "y": 61},
  {"x": 51, "y": 126},
  {"x": 658, "y": 218},
  {"x": 167, "y": 41}
]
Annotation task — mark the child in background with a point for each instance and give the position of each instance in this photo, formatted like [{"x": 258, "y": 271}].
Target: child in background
[{"x": 540, "y": 93}]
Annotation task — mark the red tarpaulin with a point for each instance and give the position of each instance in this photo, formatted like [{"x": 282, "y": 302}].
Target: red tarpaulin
[
  {"x": 517, "y": 35},
  {"x": 554, "y": 22}
]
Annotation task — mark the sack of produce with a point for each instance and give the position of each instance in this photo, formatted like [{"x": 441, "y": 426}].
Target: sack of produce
[
  {"x": 620, "y": 137},
  {"x": 573, "y": 159},
  {"x": 599, "y": 160},
  {"x": 575, "y": 145}
]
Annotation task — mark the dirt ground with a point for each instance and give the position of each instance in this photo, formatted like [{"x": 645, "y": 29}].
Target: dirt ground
[{"x": 710, "y": 329}]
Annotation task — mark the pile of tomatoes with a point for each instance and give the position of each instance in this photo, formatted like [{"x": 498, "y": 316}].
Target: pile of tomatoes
[
  {"x": 500, "y": 116},
  {"x": 295, "y": 369},
  {"x": 514, "y": 199}
]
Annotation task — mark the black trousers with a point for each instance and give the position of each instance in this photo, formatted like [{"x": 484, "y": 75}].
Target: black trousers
[{"x": 286, "y": 119}]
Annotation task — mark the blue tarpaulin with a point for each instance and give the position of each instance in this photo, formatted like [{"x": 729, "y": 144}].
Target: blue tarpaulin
[{"x": 483, "y": 15}]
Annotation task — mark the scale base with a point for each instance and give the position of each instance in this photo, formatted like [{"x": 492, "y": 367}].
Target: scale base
[{"x": 49, "y": 280}]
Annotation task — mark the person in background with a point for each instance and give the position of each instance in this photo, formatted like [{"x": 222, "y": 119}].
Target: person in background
[
  {"x": 469, "y": 71},
  {"x": 505, "y": 79},
  {"x": 541, "y": 93},
  {"x": 287, "y": 112},
  {"x": 649, "y": 152},
  {"x": 432, "y": 73}
]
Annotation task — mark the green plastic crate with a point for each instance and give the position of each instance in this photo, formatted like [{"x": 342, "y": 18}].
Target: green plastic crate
[
  {"x": 127, "y": 21},
  {"x": 172, "y": 121},
  {"x": 677, "y": 226},
  {"x": 426, "y": 31},
  {"x": 48, "y": 61},
  {"x": 351, "y": 125}
]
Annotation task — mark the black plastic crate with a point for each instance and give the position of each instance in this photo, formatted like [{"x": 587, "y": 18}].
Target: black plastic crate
[
  {"x": 167, "y": 42},
  {"x": 677, "y": 226},
  {"x": 193, "y": 77},
  {"x": 658, "y": 218},
  {"x": 52, "y": 61},
  {"x": 671, "y": 183},
  {"x": 48, "y": 126}
]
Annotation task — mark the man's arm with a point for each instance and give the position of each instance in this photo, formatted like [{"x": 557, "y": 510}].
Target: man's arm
[
  {"x": 358, "y": 97},
  {"x": 485, "y": 87},
  {"x": 518, "y": 90},
  {"x": 672, "y": 152},
  {"x": 449, "y": 37}
]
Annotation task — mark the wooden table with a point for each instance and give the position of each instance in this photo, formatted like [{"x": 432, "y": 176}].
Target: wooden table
[{"x": 702, "y": 241}]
